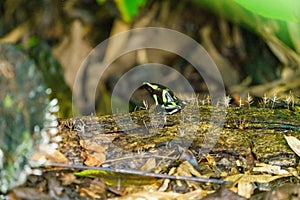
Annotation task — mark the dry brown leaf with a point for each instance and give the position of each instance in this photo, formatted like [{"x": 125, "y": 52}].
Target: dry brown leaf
[
  {"x": 261, "y": 178},
  {"x": 86, "y": 192},
  {"x": 210, "y": 160},
  {"x": 149, "y": 195},
  {"x": 196, "y": 194},
  {"x": 92, "y": 146},
  {"x": 29, "y": 193},
  {"x": 270, "y": 169},
  {"x": 149, "y": 165},
  {"x": 164, "y": 185},
  {"x": 245, "y": 189},
  {"x": 245, "y": 181},
  {"x": 98, "y": 186},
  {"x": 287, "y": 191},
  {"x": 68, "y": 179},
  {"x": 95, "y": 159},
  {"x": 294, "y": 144},
  {"x": 223, "y": 193},
  {"x": 55, "y": 157},
  {"x": 186, "y": 169}
]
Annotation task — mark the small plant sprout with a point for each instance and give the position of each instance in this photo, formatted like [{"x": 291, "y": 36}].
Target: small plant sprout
[
  {"x": 193, "y": 100},
  {"x": 274, "y": 99},
  {"x": 290, "y": 100},
  {"x": 181, "y": 132},
  {"x": 208, "y": 100},
  {"x": 218, "y": 103},
  {"x": 241, "y": 102},
  {"x": 227, "y": 101},
  {"x": 241, "y": 123},
  {"x": 249, "y": 100},
  {"x": 293, "y": 99},
  {"x": 265, "y": 100},
  {"x": 203, "y": 102}
]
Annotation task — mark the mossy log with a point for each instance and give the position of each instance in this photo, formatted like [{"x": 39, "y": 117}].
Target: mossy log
[{"x": 250, "y": 135}]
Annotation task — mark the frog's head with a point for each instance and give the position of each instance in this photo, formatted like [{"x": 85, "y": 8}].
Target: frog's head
[{"x": 164, "y": 97}]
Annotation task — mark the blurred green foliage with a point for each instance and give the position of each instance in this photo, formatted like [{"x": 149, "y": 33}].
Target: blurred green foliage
[
  {"x": 278, "y": 25},
  {"x": 271, "y": 19},
  {"x": 23, "y": 104},
  {"x": 53, "y": 74},
  {"x": 286, "y": 10},
  {"x": 127, "y": 8}
]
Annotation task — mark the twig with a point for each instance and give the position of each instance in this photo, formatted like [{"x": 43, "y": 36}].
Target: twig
[{"x": 135, "y": 172}]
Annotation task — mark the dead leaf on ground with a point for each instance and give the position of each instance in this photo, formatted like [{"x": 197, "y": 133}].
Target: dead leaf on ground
[
  {"x": 285, "y": 192},
  {"x": 149, "y": 165},
  {"x": 29, "y": 193},
  {"x": 271, "y": 169},
  {"x": 223, "y": 193},
  {"x": 261, "y": 178},
  {"x": 92, "y": 146},
  {"x": 55, "y": 157},
  {"x": 96, "y": 189},
  {"x": 149, "y": 195},
  {"x": 245, "y": 182},
  {"x": 95, "y": 159},
  {"x": 68, "y": 179},
  {"x": 86, "y": 192},
  {"x": 294, "y": 143}
]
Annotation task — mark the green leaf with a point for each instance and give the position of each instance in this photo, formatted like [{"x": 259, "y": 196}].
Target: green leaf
[
  {"x": 286, "y": 10},
  {"x": 33, "y": 40},
  {"x": 129, "y": 8},
  {"x": 117, "y": 178},
  {"x": 7, "y": 101},
  {"x": 100, "y": 1}
]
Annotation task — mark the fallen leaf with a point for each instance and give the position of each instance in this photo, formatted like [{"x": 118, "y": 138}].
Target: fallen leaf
[
  {"x": 245, "y": 182},
  {"x": 223, "y": 193},
  {"x": 116, "y": 178},
  {"x": 29, "y": 193},
  {"x": 68, "y": 179},
  {"x": 92, "y": 146},
  {"x": 95, "y": 159},
  {"x": 270, "y": 169},
  {"x": 245, "y": 189},
  {"x": 187, "y": 169},
  {"x": 287, "y": 191},
  {"x": 86, "y": 192},
  {"x": 55, "y": 157},
  {"x": 149, "y": 165},
  {"x": 294, "y": 144},
  {"x": 261, "y": 178}
]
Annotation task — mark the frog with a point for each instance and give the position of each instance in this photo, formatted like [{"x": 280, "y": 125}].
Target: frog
[{"x": 164, "y": 98}]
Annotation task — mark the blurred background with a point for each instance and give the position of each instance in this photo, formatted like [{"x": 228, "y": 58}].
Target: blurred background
[{"x": 256, "y": 45}]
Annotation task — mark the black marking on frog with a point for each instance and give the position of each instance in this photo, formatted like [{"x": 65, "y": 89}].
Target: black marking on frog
[{"x": 164, "y": 97}]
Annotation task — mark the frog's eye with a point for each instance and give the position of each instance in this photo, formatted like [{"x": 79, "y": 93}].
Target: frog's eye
[{"x": 164, "y": 97}]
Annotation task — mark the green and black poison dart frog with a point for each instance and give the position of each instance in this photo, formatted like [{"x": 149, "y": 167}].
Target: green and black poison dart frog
[{"x": 164, "y": 97}]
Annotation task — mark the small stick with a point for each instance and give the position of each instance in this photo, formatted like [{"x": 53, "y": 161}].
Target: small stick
[{"x": 135, "y": 172}]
